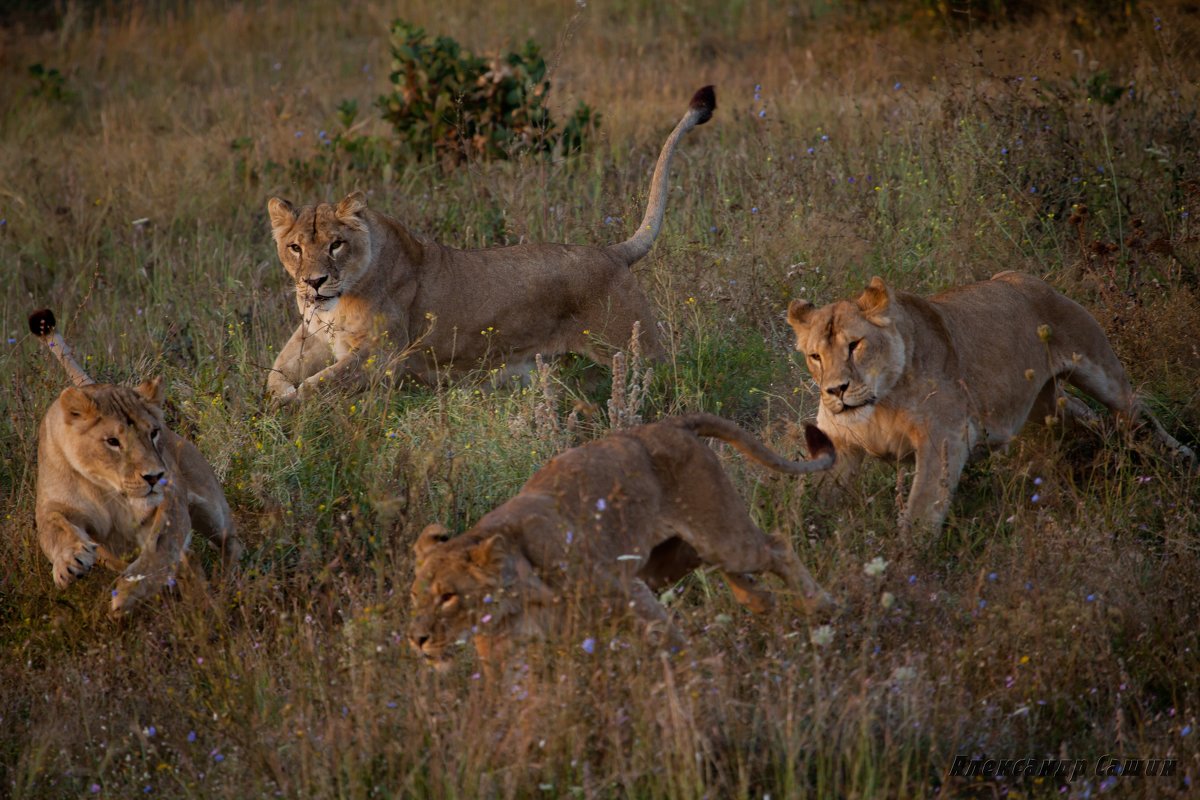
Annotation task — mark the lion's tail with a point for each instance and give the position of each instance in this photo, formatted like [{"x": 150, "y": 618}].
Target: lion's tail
[
  {"x": 820, "y": 448},
  {"x": 42, "y": 325},
  {"x": 700, "y": 111}
]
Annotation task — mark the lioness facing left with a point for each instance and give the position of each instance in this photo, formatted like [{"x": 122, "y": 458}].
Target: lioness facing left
[
  {"x": 113, "y": 478},
  {"x": 902, "y": 376},
  {"x": 371, "y": 294},
  {"x": 609, "y": 520}
]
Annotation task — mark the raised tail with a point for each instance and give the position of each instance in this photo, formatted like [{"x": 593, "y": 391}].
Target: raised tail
[
  {"x": 820, "y": 448},
  {"x": 42, "y": 325},
  {"x": 700, "y": 111}
]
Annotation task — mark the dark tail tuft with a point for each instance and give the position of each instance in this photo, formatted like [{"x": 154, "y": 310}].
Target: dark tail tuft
[
  {"x": 42, "y": 322},
  {"x": 704, "y": 101},
  {"x": 818, "y": 443}
]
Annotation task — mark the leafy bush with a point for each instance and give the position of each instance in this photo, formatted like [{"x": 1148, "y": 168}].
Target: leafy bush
[
  {"x": 450, "y": 104},
  {"x": 49, "y": 83}
]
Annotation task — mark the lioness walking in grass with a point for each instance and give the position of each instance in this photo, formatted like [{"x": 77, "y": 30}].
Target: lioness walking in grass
[
  {"x": 373, "y": 298},
  {"x": 902, "y": 376}
]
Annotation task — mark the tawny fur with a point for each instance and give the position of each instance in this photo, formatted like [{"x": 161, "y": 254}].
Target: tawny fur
[
  {"x": 113, "y": 480},
  {"x": 375, "y": 301},
  {"x": 612, "y": 520},
  {"x": 930, "y": 378}
]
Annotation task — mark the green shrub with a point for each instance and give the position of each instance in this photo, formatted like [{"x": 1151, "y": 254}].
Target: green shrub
[{"x": 451, "y": 105}]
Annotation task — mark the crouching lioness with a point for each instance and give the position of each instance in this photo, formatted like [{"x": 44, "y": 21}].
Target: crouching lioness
[
  {"x": 612, "y": 520},
  {"x": 113, "y": 479},
  {"x": 372, "y": 295},
  {"x": 903, "y": 376}
]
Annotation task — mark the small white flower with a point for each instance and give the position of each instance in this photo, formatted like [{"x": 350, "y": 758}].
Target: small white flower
[
  {"x": 902, "y": 674},
  {"x": 875, "y": 566},
  {"x": 821, "y": 636},
  {"x": 887, "y": 600}
]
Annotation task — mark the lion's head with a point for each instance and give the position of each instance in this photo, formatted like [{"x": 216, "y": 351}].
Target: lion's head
[
  {"x": 852, "y": 348},
  {"x": 465, "y": 584},
  {"x": 114, "y": 438},
  {"x": 324, "y": 248}
]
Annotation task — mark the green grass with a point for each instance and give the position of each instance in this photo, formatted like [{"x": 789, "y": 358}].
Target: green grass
[{"x": 1063, "y": 626}]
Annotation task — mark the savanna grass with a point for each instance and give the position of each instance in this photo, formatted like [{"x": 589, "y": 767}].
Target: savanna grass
[{"x": 1054, "y": 615}]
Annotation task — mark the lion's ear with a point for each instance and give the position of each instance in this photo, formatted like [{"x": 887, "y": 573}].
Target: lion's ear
[
  {"x": 282, "y": 213},
  {"x": 875, "y": 300},
  {"x": 433, "y": 536},
  {"x": 798, "y": 313},
  {"x": 152, "y": 390},
  {"x": 352, "y": 205},
  {"x": 490, "y": 552},
  {"x": 78, "y": 403},
  {"x": 513, "y": 568}
]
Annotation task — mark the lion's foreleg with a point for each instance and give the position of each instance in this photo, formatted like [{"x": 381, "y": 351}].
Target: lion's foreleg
[
  {"x": 657, "y": 620},
  {"x": 344, "y": 375},
  {"x": 164, "y": 538},
  {"x": 835, "y": 484},
  {"x": 938, "y": 469},
  {"x": 303, "y": 355},
  {"x": 71, "y": 551}
]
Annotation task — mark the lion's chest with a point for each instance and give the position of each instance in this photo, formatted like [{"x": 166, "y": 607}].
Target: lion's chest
[
  {"x": 881, "y": 431},
  {"x": 330, "y": 328}
]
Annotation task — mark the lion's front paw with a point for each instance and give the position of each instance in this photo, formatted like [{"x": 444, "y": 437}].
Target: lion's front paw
[
  {"x": 307, "y": 389},
  {"x": 286, "y": 396},
  {"x": 231, "y": 551},
  {"x": 73, "y": 562},
  {"x": 132, "y": 588}
]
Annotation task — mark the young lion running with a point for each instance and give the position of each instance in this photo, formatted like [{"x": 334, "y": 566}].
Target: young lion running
[
  {"x": 112, "y": 478},
  {"x": 612, "y": 519}
]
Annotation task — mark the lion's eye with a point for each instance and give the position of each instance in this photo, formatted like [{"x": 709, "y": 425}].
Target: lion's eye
[
  {"x": 295, "y": 248},
  {"x": 113, "y": 441},
  {"x": 854, "y": 345},
  {"x": 447, "y": 598},
  {"x": 337, "y": 245},
  {"x": 815, "y": 357}
]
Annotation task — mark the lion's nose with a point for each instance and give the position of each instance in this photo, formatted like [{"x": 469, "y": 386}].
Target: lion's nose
[
  {"x": 152, "y": 478},
  {"x": 839, "y": 390},
  {"x": 315, "y": 283}
]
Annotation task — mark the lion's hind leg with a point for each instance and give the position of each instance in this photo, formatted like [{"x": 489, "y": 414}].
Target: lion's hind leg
[
  {"x": 1100, "y": 375},
  {"x": 748, "y": 593},
  {"x": 747, "y": 550},
  {"x": 811, "y": 597}
]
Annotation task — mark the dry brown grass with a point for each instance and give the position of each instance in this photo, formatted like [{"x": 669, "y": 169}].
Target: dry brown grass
[{"x": 1057, "y": 626}]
